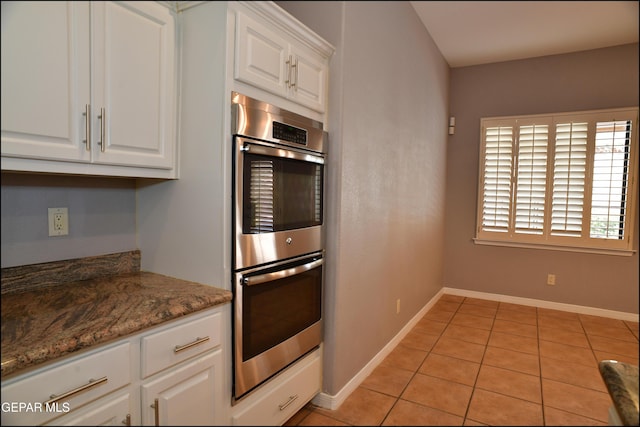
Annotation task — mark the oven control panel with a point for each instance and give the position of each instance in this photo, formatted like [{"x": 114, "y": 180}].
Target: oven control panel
[{"x": 289, "y": 133}]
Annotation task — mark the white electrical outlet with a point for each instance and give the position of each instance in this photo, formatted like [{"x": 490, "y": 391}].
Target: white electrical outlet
[
  {"x": 398, "y": 306},
  {"x": 551, "y": 279},
  {"x": 58, "y": 221}
]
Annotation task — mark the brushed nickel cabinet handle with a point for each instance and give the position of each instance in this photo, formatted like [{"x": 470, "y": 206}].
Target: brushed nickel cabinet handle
[
  {"x": 87, "y": 126},
  {"x": 92, "y": 383},
  {"x": 156, "y": 411},
  {"x": 198, "y": 340},
  {"x": 103, "y": 119},
  {"x": 295, "y": 81},
  {"x": 288, "y": 402},
  {"x": 288, "y": 81}
]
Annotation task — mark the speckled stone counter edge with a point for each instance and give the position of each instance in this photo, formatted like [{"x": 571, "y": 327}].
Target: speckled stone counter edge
[
  {"x": 621, "y": 380},
  {"x": 87, "y": 302},
  {"x": 45, "y": 275}
]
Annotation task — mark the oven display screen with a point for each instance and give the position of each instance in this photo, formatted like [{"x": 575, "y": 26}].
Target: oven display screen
[{"x": 289, "y": 133}]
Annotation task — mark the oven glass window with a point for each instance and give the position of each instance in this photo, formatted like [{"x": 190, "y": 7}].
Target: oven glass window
[
  {"x": 280, "y": 194},
  {"x": 274, "y": 311}
]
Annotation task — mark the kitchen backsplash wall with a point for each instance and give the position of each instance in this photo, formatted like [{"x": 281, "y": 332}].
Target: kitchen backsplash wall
[{"x": 102, "y": 217}]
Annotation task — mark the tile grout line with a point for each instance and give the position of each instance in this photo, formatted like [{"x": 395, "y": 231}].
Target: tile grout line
[
  {"x": 544, "y": 420},
  {"x": 475, "y": 383},
  {"x": 421, "y": 363},
  {"x": 494, "y": 318}
]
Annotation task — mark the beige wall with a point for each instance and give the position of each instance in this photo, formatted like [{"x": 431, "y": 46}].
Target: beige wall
[
  {"x": 387, "y": 137},
  {"x": 596, "y": 79}
]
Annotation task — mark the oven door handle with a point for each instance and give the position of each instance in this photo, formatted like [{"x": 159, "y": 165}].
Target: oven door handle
[
  {"x": 280, "y": 152},
  {"x": 261, "y": 278}
]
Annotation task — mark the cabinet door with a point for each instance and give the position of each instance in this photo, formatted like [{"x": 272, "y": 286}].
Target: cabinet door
[
  {"x": 133, "y": 86},
  {"x": 188, "y": 395},
  {"x": 45, "y": 79},
  {"x": 310, "y": 79},
  {"x": 277, "y": 63},
  {"x": 110, "y": 411},
  {"x": 261, "y": 56}
]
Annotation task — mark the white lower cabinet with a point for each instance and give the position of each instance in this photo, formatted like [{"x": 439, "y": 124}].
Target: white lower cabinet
[
  {"x": 111, "y": 411},
  {"x": 186, "y": 395},
  {"x": 108, "y": 385},
  {"x": 182, "y": 373},
  {"x": 280, "y": 398},
  {"x": 60, "y": 389}
]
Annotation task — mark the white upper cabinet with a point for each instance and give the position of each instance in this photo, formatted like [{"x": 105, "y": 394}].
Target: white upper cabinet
[
  {"x": 133, "y": 74},
  {"x": 89, "y": 88},
  {"x": 279, "y": 56},
  {"x": 262, "y": 56},
  {"x": 45, "y": 79}
]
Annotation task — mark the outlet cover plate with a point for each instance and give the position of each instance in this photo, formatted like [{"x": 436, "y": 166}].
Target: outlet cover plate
[{"x": 58, "y": 221}]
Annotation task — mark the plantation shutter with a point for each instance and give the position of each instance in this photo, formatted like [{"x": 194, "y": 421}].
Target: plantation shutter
[
  {"x": 610, "y": 179},
  {"x": 564, "y": 181},
  {"x": 497, "y": 178},
  {"x": 531, "y": 179},
  {"x": 569, "y": 173}
]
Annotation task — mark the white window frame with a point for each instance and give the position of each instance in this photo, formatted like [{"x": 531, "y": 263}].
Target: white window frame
[{"x": 499, "y": 228}]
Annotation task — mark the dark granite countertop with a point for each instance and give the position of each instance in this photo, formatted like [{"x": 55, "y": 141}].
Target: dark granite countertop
[
  {"x": 621, "y": 380},
  {"x": 43, "y": 323}
]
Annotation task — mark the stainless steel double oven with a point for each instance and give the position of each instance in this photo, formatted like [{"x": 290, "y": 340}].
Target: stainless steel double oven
[{"x": 278, "y": 250}]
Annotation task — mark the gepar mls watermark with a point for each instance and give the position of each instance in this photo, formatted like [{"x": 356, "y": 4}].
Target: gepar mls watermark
[{"x": 30, "y": 407}]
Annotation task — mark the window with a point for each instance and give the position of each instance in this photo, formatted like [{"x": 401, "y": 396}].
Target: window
[{"x": 560, "y": 181}]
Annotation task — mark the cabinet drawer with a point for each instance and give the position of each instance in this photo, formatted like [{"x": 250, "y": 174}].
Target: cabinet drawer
[
  {"x": 171, "y": 346},
  {"x": 278, "y": 401},
  {"x": 76, "y": 382},
  {"x": 113, "y": 410}
]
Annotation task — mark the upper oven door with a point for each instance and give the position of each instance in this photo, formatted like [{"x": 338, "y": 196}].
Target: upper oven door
[{"x": 278, "y": 202}]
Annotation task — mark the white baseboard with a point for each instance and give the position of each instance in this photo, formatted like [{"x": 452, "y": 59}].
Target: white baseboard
[
  {"x": 325, "y": 400},
  {"x": 620, "y": 315},
  {"x": 328, "y": 401}
]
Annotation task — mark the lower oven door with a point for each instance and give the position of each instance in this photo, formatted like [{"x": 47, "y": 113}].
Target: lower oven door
[{"x": 277, "y": 318}]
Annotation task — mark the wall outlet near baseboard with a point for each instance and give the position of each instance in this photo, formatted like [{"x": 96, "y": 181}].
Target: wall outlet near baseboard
[{"x": 551, "y": 279}]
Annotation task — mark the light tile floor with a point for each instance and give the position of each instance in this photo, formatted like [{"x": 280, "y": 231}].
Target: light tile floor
[{"x": 471, "y": 361}]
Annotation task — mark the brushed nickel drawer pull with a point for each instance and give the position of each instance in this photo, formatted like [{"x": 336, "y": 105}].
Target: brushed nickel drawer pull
[
  {"x": 289, "y": 402},
  {"x": 198, "y": 340},
  {"x": 103, "y": 125},
  {"x": 87, "y": 126},
  {"x": 92, "y": 383},
  {"x": 156, "y": 411}
]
